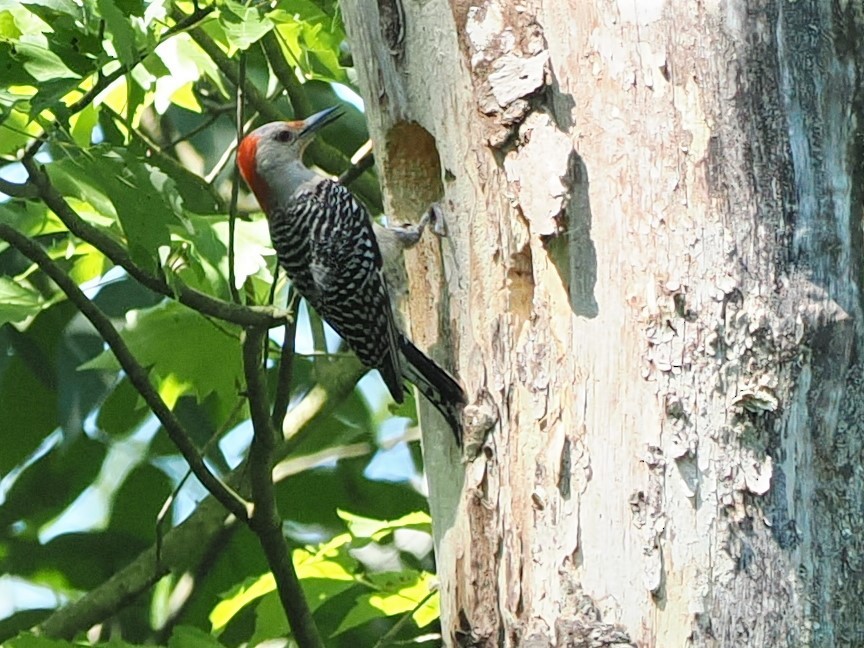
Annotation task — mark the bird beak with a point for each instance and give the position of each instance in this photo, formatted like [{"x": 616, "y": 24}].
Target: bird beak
[{"x": 319, "y": 120}]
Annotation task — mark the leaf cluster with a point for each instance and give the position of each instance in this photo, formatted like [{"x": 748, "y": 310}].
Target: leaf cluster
[{"x": 118, "y": 121}]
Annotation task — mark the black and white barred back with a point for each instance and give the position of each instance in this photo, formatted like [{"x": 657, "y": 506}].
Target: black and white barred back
[
  {"x": 323, "y": 238},
  {"x": 325, "y": 242}
]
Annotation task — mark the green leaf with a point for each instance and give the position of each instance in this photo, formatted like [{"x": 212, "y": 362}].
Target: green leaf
[
  {"x": 243, "y": 25},
  {"x": 131, "y": 7},
  {"x": 78, "y": 394},
  {"x": 83, "y": 124},
  {"x": 116, "y": 182},
  {"x": 270, "y": 620},
  {"x": 31, "y": 219},
  {"x": 184, "y": 348},
  {"x": 68, "y": 7},
  {"x": 13, "y": 73},
  {"x": 181, "y": 51},
  {"x": 123, "y": 411},
  {"x": 341, "y": 487},
  {"x": 43, "y": 64},
  {"x": 30, "y": 641},
  {"x": 8, "y": 29},
  {"x": 51, "y": 483},
  {"x": 73, "y": 178},
  {"x": 313, "y": 39},
  {"x": 398, "y": 593},
  {"x": 17, "y": 302},
  {"x": 238, "y": 598},
  {"x": 29, "y": 376},
  {"x": 363, "y": 527},
  {"x": 137, "y": 503},
  {"x": 188, "y": 637},
  {"x": 72, "y": 561},
  {"x": 196, "y": 192}
]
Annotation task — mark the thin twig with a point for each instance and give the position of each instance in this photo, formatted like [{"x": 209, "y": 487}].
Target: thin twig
[
  {"x": 159, "y": 158},
  {"x": 137, "y": 374},
  {"x": 203, "y": 303},
  {"x": 265, "y": 521},
  {"x": 162, "y": 516},
  {"x": 235, "y": 181},
  {"x": 356, "y": 170},
  {"x": 388, "y": 637},
  {"x": 204, "y": 125},
  {"x": 104, "y": 80}
]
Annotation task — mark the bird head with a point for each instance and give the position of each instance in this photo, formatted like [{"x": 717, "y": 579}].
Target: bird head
[{"x": 270, "y": 158}]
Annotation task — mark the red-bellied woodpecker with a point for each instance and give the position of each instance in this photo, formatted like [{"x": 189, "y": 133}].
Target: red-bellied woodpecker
[{"x": 324, "y": 240}]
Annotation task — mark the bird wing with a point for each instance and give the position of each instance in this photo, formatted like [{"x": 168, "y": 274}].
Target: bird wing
[{"x": 350, "y": 290}]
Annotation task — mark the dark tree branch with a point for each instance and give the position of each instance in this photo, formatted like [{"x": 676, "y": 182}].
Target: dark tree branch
[
  {"x": 273, "y": 51},
  {"x": 265, "y": 521},
  {"x": 286, "y": 364},
  {"x": 216, "y": 545},
  {"x": 183, "y": 543},
  {"x": 179, "y": 549},
  {"x": 205, "y": 304},
  {"x": 15, "y": 190},
  {"x": 136, "y": 373},
  {"x": 356, "y": 170}
]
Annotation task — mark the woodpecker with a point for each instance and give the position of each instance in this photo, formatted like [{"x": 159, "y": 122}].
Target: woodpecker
[{"x": 325, "y": 242}]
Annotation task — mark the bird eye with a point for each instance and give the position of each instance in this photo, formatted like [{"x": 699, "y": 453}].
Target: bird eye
[{"x": 284, "y": 136}]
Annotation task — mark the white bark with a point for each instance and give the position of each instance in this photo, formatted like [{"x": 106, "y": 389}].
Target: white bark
[{"x": 652, "y": 280}]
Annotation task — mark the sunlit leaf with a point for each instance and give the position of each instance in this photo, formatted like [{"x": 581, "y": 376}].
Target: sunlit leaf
[
  {"x": 362, "y": 527},
  {"x": 398, "y": 593},
  {"x": 240, "y": 597},
  {"x": 17, "y": 302},
  {"x": 429, "y": 612},
  {"x": 186, "y": 60},
  {"x": 243, "y": 25},
  {"x": 42, "y": 63},
  {"x": 8, "y": 29},
  {"x": 178, "y": 342},
  {"x": 184, "y": 96},
  {"x": 83, "y": 124}
]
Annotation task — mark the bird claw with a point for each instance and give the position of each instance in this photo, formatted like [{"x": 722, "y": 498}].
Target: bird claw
[
  {"x": 435, "y": 217},
  {"x": 408, "y": 234}
]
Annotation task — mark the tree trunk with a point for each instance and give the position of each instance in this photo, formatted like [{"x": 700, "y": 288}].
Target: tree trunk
[{"x": 651, "y": 287}]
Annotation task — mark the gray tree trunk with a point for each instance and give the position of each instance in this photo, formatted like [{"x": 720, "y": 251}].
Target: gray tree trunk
[{"x": 652, "y": 281}]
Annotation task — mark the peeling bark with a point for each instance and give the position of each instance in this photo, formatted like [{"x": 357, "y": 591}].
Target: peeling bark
[{"x": 651, "y": 288}]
